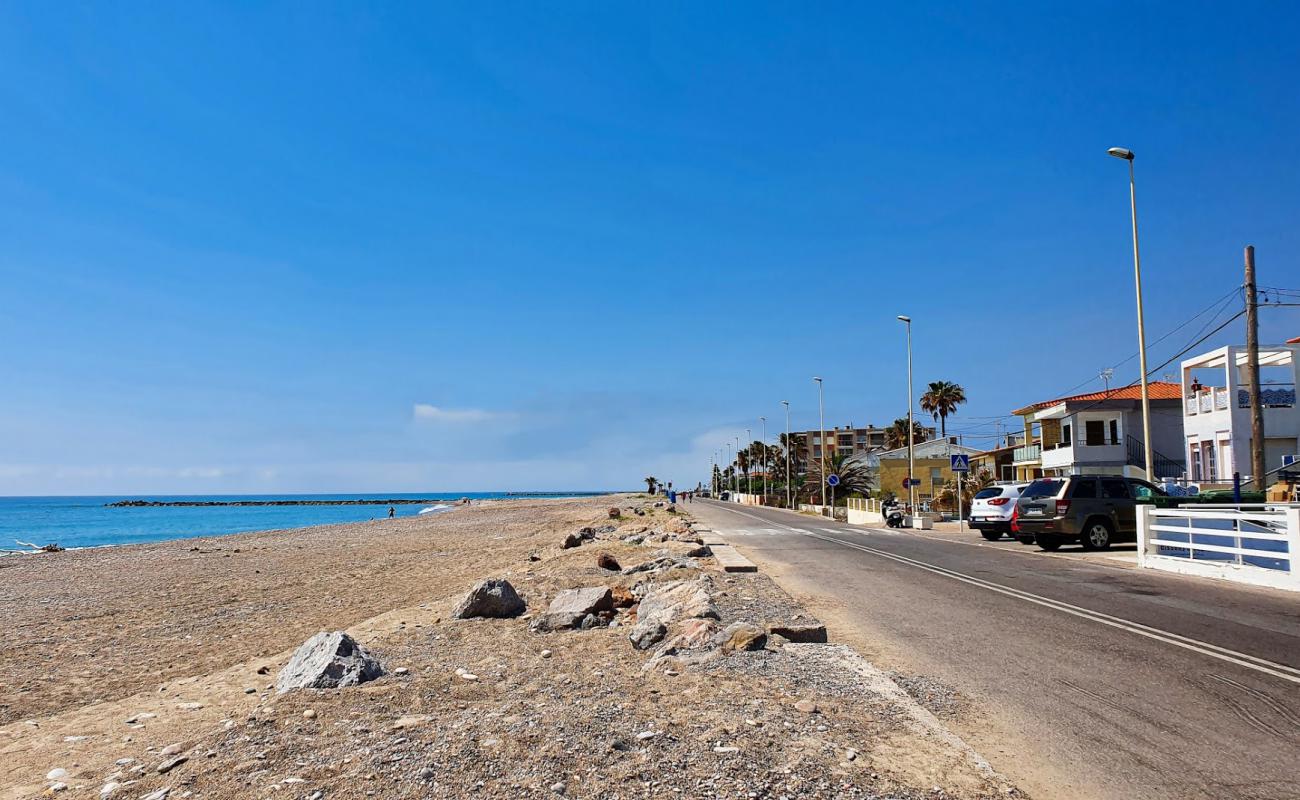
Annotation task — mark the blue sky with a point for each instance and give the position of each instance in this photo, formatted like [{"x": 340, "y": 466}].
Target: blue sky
[{"x": 315, "y": 247}]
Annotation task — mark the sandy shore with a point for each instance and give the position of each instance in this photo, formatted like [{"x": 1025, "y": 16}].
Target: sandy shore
[
  {"x": 103, "y": 623},
  {"x": 148, "y": 670}
]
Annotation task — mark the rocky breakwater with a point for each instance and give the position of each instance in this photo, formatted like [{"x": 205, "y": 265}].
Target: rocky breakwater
[{"x": 395, "y": 501}]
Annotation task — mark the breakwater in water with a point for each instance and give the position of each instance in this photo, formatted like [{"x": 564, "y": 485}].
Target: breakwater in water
[
  {"x": 93, "y": 521},
  {"x": 391, "y": 501}
]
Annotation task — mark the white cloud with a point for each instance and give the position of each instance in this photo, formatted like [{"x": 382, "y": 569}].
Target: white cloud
[{"x": 454, "y": 416}]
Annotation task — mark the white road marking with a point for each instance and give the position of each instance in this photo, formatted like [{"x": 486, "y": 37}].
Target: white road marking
[{"x": 1204, "y": 648}]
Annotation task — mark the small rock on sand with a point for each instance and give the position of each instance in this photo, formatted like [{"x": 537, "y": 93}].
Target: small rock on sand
[{"x": 606, "y": 561}]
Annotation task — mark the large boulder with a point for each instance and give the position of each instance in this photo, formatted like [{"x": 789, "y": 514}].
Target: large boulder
[
  {"x": 677, "y": 600},
  {"x": 741, "y": 636},
  {"x": 606, "y": 561},
  {"x": 328, "y": 661},
  {"x": 647, "y": 633},
  {"x": 571, "y": 606},
  {"x": 494, "y": 597}
]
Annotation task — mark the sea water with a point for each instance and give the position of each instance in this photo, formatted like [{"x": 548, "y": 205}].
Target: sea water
[{"x": 90, "y": 522}]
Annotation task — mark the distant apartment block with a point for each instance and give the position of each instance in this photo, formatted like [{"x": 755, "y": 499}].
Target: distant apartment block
[{"x": 846, "y": 441}]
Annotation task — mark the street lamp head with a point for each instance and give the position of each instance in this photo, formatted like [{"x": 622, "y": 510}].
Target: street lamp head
[
  {"x": 818, "y": 380},
  {"x": 906, "y": 319},
  {"x": 785, "y": 403},
  {"x": 1120, "y": 152}
]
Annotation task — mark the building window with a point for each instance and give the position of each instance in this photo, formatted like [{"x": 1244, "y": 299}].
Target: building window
[
  {"x": 1114, "y": 431},
  {"x": 1094, "y": 432},
  {"x": 1065, "y": 435},
  {"x": 936, "y": 476}
]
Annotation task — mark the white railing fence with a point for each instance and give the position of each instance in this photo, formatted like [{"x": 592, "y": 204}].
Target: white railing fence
[
  {"x": 864, "y": 511},
  {"x": 1255, "y": 544}
]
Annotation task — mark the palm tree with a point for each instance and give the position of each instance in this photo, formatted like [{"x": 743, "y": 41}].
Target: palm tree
[
  {"x": 855, "y": 477},
  {"x": 743, "y": 463},
  {"x": 942, "y": 399},
  {"x": 650, "y": 484},
  {"x": 896, "y": 434}
]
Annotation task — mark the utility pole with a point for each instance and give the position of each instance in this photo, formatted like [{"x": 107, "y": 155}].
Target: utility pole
[
  {"x": 1252, "y": 373},
  {"x": 763, "y": 420},
  {"x": 821, "y": 421}
]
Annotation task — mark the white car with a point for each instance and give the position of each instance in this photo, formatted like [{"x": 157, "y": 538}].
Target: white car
[{"x": 991, "y": 510}]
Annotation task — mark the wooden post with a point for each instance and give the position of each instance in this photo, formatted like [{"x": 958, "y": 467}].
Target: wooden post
[{"x": 1252, "y": 373}]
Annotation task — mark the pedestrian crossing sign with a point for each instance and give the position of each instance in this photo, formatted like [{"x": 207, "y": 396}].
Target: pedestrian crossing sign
[{"x": 960, "y": 462}]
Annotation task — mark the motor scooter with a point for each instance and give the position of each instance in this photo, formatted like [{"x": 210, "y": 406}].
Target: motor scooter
[{"x": 893, "y": 512}]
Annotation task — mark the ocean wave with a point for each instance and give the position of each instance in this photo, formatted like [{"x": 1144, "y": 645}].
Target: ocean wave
[{"x": 434, "y": 509}]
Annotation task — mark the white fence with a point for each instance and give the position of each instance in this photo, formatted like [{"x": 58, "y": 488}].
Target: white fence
[
  {"x": 822, "y": 511},
  {"x": 865, "y": 511},
  {"x": 1256, "y": 544}
]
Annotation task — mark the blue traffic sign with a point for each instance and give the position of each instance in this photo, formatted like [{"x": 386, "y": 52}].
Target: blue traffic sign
[
  {"x": 960, "y": 462},
  {"x": 832, "y": 480}
]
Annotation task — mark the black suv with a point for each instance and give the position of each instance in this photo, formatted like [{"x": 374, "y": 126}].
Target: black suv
[{"x": 1094, "y": 510}]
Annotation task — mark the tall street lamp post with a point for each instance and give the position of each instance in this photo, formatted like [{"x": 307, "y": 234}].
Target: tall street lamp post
[
  {"x": 749, "y": 450},
  {"x": 763, "y": 423},
  {"x": 727, "y": 448},
  {"x": 821, "y": 421},
  {"x": 911, "y": 458},
  {"x": 736, "y": 473},
  {"x": 1127, "y": 155},
  {"x": 788, "y": 479}
]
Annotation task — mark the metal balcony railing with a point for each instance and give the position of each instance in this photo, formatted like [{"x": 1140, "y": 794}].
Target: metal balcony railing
[{"x": 1272, "y": 395}]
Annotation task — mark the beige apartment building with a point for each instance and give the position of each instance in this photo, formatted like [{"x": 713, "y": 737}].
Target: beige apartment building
[{"x": 846, "y": 441}]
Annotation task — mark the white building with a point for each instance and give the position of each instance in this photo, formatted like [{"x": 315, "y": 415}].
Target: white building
[
  {"x": 1100, "y": 433},
  {"x": 1216, "y": 410}
]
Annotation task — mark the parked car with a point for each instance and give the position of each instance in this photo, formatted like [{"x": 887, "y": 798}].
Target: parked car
[
  {"x": 991, "y": 510},
  {"x": 1094, "y": 510}
]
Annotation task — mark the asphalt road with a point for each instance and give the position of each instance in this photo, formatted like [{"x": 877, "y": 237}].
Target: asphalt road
[{"x": 1084, "y": 678}]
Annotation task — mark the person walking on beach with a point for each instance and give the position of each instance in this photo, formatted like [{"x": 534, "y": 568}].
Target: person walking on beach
[{"x": 392, "y": 512}]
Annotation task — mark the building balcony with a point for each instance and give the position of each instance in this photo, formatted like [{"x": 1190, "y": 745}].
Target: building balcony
[
  {"x": 1028, "y": 454},
  {"x": 1274, "y": 395},
  {"x": 1207, "y": 401},
  {"x": 1080, "y": 454}
]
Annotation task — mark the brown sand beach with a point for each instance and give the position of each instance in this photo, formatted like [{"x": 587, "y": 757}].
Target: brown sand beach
[{"x": 147, "y": 671}]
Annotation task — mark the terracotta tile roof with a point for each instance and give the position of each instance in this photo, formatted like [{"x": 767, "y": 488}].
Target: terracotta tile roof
[
  {"x": 1156, "y": 390},
  {"x": 1296, "y": 340}
]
